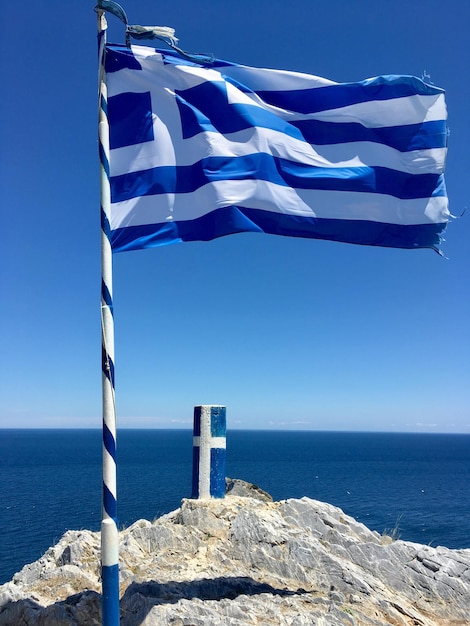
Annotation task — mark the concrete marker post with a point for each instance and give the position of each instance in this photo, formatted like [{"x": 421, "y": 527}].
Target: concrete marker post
[{"x": 209, "y": 452}]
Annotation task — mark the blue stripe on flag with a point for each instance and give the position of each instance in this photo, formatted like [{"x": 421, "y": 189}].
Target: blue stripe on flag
[
  {"x": 189, "y": 178},
  {"x": 422, "y": 136},
  {"x": 347, "y": 94},
  {"x": 231, "y": 220}
]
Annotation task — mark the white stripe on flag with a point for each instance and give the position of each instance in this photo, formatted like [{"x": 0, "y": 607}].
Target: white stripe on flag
[
  {"x": 265, "y": 196},
  {"x": 168, "y": 150}
]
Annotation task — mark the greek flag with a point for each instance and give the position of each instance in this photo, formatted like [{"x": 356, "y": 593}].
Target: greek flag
[{"x": 198, "y": 151}]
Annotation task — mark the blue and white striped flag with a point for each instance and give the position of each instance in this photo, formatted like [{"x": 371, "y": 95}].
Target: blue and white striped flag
[{"x": 201, "y": 151}]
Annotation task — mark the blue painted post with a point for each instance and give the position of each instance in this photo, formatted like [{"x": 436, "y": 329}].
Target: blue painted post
[{"x": 209, "y": 452}]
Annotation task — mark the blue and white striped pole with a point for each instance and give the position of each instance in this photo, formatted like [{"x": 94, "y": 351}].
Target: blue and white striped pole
[
  {"x": 109, "y": 527},
  {"x": 209, "y": 452}
]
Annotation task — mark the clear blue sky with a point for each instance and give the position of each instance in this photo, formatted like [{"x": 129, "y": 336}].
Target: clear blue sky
[{"x": 287, "y": 333}]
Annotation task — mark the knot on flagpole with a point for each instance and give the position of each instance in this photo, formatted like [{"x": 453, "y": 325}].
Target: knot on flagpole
[
  {"x": 112, "y": 7},
  {"x": 163, "y": 33}
]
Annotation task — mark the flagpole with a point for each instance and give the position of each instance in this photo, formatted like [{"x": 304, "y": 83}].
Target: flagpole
[{"x": 109, "y": 528}]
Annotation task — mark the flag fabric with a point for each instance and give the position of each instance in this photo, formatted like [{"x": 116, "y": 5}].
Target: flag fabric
[{"x": 198, "y": 151}]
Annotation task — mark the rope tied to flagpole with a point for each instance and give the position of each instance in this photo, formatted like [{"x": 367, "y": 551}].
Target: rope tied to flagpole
[
  {"x": 162, "y": 33},
  {"x": 153, "y": 32}
]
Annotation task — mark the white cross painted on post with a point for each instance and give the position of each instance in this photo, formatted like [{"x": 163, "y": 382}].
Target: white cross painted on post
[{"x": 209, "y": 452}]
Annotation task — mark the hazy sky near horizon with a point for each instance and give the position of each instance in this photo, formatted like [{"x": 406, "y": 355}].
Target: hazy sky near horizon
[{"x": 287, "y": 333}]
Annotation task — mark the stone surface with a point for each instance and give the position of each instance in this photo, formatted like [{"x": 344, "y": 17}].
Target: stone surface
[{"x": 246, "y": 560}]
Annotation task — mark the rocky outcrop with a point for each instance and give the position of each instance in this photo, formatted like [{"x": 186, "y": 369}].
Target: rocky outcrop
[{"x": 246, "y": 560}]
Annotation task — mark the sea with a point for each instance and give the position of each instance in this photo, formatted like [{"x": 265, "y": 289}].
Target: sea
[{"x": 414, "y": 486}]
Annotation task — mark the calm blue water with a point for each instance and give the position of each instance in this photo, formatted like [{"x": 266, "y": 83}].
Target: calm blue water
[{"x": 51, "y": 480}]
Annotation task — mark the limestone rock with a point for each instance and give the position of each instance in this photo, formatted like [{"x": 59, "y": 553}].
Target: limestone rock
[
  {"x": 246, "y": 560},
  {"x": 237, "y": 487}
]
